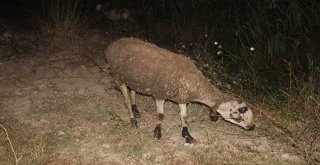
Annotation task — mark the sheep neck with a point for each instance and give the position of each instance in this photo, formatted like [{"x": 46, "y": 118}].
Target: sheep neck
[{"x": 212, "y": 96}]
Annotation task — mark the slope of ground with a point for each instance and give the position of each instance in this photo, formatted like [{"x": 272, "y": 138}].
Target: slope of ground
[{"x": 59, "y": 106}]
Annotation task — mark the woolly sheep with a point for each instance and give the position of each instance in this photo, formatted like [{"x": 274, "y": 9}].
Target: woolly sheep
[{"x": 139, "y": 66}]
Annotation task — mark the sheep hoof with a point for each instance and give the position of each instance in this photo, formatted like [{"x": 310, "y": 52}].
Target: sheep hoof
[
  {"x": 187, "y": 136},
  {"x": 135, "y": 111},
  {"x": 214, "y": 118},
  {"x": 190, "y": 140},
  {"x": 134, "y": 122},
  {"x": 157, "y": 132},
  {"x": 117, "y": 87}
]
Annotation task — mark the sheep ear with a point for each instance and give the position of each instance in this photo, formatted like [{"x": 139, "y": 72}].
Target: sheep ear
[{"x": 243, "y": 109}]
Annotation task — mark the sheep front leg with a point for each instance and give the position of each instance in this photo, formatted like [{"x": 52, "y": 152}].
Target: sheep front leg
[
  {"x": 183, "y": 117},
  {"x": 157, "y": 131},
  {"x": 134, "y": 107},
  {"x": 125, "y": 93}
]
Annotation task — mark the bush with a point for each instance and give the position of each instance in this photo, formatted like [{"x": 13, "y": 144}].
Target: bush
[{"x": 64, "y": 17}]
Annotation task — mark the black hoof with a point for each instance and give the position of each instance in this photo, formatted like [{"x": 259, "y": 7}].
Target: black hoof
[
  {"x": 134, "y": 122},
  {"x": 214, "y": 118},
  {"x": 135, "y": 111},
  {"x": 190, "y": 140},
  {"x": 187, "y": 136},
  {"x": 157, "y": 132}
]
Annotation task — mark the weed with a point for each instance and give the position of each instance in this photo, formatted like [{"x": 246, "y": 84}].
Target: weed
[{"x": 64, "y": 18}]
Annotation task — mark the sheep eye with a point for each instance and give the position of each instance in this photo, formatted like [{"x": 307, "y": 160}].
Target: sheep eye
[{"x": 243, "y": 109}]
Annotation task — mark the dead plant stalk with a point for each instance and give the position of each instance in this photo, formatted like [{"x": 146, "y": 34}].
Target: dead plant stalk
[{"x": 12, "y": 149}]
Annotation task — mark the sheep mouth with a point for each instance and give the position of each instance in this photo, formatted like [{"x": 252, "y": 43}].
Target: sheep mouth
[
  {"x": 238, "y": 120},
  {"x": 235, "y": 120},
  {"x": 248, "y": 126}
]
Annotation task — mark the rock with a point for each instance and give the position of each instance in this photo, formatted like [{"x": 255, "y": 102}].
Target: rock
[
  {"x": 104, "y": 123},
  {"x": 106, "y": 146},
  {"x": 290, "y": 157},
  {"x": 43, "y": 121},
  {"x": 82, "y": 91},
  {"x": 18, "y": 93},
  {"x": 42, "y": 85},
  {"x": 61, "y": 133},
  {"x": 188, "y": 145},
  {"x": 285, "y": 156}
]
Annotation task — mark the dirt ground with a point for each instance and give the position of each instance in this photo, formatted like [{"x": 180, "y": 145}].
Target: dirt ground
[{"x": 59, "y": 106}]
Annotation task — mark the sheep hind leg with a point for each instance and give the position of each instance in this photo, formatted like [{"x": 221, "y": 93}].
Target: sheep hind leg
[
  {"x": 134, "y": 107},
  {"x": 185, "y": 131},
  {"x": 125, "y": 93},
  {"x": 157, "y": 131}
]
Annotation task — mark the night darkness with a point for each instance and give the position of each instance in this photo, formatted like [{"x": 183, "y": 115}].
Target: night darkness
[{"x": 60, "y": 105}]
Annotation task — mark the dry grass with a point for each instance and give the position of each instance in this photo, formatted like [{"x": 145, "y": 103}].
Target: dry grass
[
  {"x": 63, "y": 18},
  {"x": 26, "y": 147}
]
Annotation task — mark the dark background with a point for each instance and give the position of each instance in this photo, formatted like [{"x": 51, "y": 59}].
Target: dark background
[{"x": 281, "y": 32}]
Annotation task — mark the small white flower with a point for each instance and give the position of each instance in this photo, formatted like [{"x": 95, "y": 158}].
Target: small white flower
[
  {"x": 215, "y": 43},
  {"x": 251, "y": 48},
  {"x": 183, "y": 46},
  {"x": 206, "y": 35},
  {"x": 219, "y": 52},
  {"x": 219, "y": 46},
  {"x": 191, "y": 44}
]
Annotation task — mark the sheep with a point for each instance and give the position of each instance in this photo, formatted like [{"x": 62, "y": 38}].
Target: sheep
[{"x": 138, "y": 66}]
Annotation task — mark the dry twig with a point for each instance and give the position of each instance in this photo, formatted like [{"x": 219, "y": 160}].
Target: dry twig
[{"x": 12, "y": 149}]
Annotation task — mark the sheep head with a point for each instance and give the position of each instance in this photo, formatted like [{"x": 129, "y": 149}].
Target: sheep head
[{"x": 238, "y": 113}]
